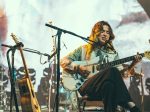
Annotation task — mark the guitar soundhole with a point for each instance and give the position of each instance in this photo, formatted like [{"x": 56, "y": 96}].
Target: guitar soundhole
[
  {"x": 23, "y": 89},
  {"x": 78, "y": 85}
]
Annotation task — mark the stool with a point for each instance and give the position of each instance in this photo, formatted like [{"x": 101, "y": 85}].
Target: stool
[{"x": 86, "y": 104}]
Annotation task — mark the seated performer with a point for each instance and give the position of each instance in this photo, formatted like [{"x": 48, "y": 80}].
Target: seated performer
[{"x": 107, "y": 83}]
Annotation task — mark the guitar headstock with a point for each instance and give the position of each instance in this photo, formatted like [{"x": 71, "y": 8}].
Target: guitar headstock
[
  {"x": 147, "y": 54},
  {"x": 14, "y": 38}
]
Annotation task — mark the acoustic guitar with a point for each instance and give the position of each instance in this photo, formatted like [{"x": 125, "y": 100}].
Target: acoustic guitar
[
  {"x": 73, "y": 82},
  {"x": 28, "y": 100}
]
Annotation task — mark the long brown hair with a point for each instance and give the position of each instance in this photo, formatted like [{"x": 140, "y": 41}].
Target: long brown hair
[{"x": 93, "y": 37}]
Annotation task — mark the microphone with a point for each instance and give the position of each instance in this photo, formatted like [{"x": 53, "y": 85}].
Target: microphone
[
  {"x": 50, "y": 56},
  {"x": 19, "y": 44}
]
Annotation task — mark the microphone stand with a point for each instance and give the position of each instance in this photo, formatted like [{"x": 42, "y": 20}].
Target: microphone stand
[
  {"x": 59, "y": 32},
  {"x": 52, "y": 80},
  {"x": 12, "y": 76},
  {"x": 69, "y": 32},
  {"x": 33, "y": 51}
]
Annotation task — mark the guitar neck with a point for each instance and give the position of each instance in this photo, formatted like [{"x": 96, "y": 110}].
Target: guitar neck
[
  {"x": 24, "y": 63},
  {"x": 117, "y": 62}
]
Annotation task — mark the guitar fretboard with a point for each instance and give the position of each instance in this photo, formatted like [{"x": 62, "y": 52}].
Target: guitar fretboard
[{"x": 117, "y": 62}]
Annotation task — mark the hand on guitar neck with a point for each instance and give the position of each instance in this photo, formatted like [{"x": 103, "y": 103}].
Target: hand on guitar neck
[{"x": 129, "y": 71}]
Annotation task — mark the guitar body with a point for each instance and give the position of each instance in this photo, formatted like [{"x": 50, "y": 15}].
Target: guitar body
[
  {"x": 28, "y": 98},
  {"x": 75, "y": 81},
  {"x": 70, "y": 82}
]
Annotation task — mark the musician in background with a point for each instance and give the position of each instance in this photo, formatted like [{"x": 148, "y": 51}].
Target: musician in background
[{"x": 107, "y": 85}]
